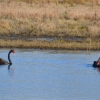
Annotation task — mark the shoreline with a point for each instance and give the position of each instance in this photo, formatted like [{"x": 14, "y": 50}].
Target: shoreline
[{"x": 51, "y": 45}]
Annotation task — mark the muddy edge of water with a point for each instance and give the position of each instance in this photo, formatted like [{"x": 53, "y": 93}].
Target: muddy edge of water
[
  {"x": 66, "y": 43},
  {"x": 45, "y": 38}
]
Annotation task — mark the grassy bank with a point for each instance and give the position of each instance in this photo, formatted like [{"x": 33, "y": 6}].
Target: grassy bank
[
  {"x": 22, "y": 19},
  {"x": 57, "y": 1},
  {"x": 61, "y": 45}
]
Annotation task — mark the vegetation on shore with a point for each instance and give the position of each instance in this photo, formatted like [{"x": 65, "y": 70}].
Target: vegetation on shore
[
  {"x": 61, "y": 45},
  {"x": 50, "y": 19}
]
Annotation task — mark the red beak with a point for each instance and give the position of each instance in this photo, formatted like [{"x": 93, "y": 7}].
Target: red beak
[{"x": 14, "y": 52}]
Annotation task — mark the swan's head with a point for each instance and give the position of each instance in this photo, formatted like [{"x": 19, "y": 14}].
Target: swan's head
[{"x": 12, "y": 51}]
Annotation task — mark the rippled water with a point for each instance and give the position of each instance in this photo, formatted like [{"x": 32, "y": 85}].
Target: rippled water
[{"x": 50, "y": 75}]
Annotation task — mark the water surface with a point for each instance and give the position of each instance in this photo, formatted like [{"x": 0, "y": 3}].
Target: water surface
[{"x": 49, "y": 75}]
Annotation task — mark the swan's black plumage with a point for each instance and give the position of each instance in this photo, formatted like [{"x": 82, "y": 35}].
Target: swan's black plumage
[
  {"x": 96, "y": 63},
  {"x": 4, "y": 62}
]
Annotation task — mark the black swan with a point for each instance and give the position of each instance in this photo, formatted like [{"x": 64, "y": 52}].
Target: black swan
[
  {"x": 4, "y": 62},
  {"x": 96, "y": 63}
]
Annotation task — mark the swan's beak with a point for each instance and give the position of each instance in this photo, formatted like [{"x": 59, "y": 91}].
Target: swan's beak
[{"x": 14, "y": 52}]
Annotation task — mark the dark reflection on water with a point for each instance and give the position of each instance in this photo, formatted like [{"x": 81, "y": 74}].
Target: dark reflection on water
[
  {"x": 10, "y": 70},
  {"x": 9, "y": 66},
  {"x": 49, "y": 75}
]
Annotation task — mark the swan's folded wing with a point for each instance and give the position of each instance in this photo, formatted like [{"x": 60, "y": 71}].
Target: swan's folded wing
[{"x": 3, "y": 62}]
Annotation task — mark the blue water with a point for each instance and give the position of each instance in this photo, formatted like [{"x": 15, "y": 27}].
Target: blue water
[{"x": 49, "y": 75}]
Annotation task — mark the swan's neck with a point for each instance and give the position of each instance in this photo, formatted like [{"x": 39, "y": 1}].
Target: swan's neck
[{"x": 10, "y": 62}]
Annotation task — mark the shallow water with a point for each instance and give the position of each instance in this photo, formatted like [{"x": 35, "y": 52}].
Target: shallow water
[{"x": 50, "y": 75}]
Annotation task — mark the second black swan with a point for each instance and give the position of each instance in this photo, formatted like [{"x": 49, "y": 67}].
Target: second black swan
[
  {"x": 4, "y": 62},
  {"x": 96, "y": 63}
]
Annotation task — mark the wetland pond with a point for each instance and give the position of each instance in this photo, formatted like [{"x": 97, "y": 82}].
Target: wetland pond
[{"x": 49, "y": 75}]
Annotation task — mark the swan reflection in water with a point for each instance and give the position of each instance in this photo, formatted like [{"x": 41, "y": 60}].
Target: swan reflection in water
[
  {"x": 98, "y": 69},
  {"x": 10, "y": 70},
  {"x": 9, "y": 66}
]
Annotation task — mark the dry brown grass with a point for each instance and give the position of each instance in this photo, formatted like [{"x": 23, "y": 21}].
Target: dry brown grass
[
  {"x": 49, "y": 45},
  {"x": 50, "y": 20},
  {"x": 57, "y": 1}
]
